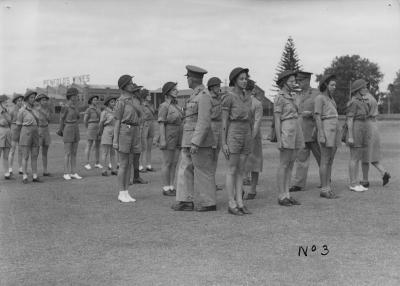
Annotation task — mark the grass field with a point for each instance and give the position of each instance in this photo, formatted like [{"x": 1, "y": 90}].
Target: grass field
[{"x": 77, "y": 233}]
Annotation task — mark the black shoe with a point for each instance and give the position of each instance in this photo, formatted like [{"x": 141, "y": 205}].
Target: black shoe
[
  {"x": 170, "y": 193},
  {"x": 295, "y": 189},
  {"x": 25, "y": 181},
  {"x": 139, "y": 180},
  {"x": 234, "y": 211},
  {"x": 219, "y": 187},
  {"x": 143, "y": 170},
  {"x": 46, "y": 174},
  {"x": 149, "y": 169},
  {"x": 104, "y": 174},
  {"x": 250, "y": 196},
  {"x": 365, "y": 184},
  {"x": 328, "y": 195},
  {"x": 285, "y": 202},
  {"x": 206, "y": 209},
  {"x": 244, "y": 210},
  {"x": 20, "y": 172},
  {"x": 37, "y": 180},
  {"x": 183, "y": 206},
  {"x": 114, "y": 173},
  {"x": 246, "y": 181},
  {"x": 386, "y": 178},
  {"x": 7, "y": 177},
  {"x": 294, "y": 202}
]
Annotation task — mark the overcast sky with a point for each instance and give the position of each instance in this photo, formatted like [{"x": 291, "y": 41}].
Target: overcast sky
[{"x": 154, "y": 40}]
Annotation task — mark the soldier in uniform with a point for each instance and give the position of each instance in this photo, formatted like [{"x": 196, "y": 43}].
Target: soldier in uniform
[
  {"x": 5, "y": 135},
  {"x": 214, "y": 87},
  {"x": 254, "y": 163},
  {"x": 372, "y": 154},
  {"x": 43, "y": 113},
  {"x": 106, "y": 133},
  {"x": 305, "y": 101},
  {"x": 69, "y": 130},
  {"x": 137, "y": 102},
  {"x": 357, "y": 138},
  {"x": 27, "y": 123},
  {"x": 196, "y": 180},
  {"x": 91, "y": 120},
  {"x": 236, "y": 137},
  {"x": 18, "y": 100},
  {"x": 147, "y": 134},
  {"x": 288, "y": 133},
  {"x": 170, "y": 122},
  {"x": 126, "y": 138},
  {"x": 329, "y": 135}
]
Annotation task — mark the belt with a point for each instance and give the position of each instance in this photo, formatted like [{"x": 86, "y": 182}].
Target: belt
[
  {"x": 70, "y": 122},
  {"x": 288, "y": 118},
  {"x": 130, "y": 124},
  {"x": 173, "y": 124},
  {"x": 43, "y": 126},
  {"x": 93, "y": 121},
  {"x": 216, "y": 120},
  {"x": 372, "y": 118},
  {"x": 239, "y": 120},
  {"x": 360, "y": 119},
  {"x": 329, "y": 117}
]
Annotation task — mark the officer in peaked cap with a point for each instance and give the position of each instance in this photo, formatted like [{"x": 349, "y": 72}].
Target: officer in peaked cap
[
  {"x": 305, "y": 100},
  {"x": 196, "y": 180}
]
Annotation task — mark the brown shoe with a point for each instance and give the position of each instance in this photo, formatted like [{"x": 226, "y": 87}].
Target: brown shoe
[
  {"x": 250, "y": 196},
  {"x": 206, "y": 209},
  {"x": 285, "y": 202},
  {"x": 234, "y": 211},
  {"x": 244, "y": 210},
  {"x": 170, "y": 193},
  {"x": 183, "y": 206}
]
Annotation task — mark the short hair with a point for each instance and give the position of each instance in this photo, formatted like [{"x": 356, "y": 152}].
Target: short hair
[
  {"x": 325, "y": 84},
  {"x": 232, "y": 82}
]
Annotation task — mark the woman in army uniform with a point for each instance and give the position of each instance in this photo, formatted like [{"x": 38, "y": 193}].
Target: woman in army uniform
[
  {"x": 18, "y": 100},
  {"x": 147, "y": 134},
  {"x": 106, "y": 133},
  {"x": 372, "y": 154},
  {"x": 5, "y": 135},
  {"x": 236, "y": 137},
  {"x": 358, "y": 133},
  {"x": 126, "y": 138},
  {"x": 69, "y": 130},
  {"x": 43, "y": 114},
  {"x": 254, "y": 163},
  {"x": 288, "y": 133},
  {"x": 27, "y": 123},
  {"x": 170, "y": 123},
  {"x": 91, "y": 120},
  {"x": 328, "y": 130}
]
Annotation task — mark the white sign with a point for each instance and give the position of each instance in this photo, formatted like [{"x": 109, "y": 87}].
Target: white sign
[{"x": 79, "y": 79}]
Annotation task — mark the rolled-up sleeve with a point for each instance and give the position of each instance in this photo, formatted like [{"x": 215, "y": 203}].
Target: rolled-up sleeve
[
  {"x": 318, "y": 105},
  {"x": 162, "y": 113},
  {"x": 119, "y": 110},
  {"x": 278, "y": 104}
]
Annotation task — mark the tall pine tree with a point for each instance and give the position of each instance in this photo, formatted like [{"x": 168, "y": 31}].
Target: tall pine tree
[{"x": 289, "y": 60}]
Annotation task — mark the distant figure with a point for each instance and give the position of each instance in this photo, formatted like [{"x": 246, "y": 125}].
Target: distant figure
[
  {"x": 358, "y": 133},
  {"x": 69, "y": 130},
  {"x": 5, "y": 135},
  {"x": 18, "y": 100},
  {"x": 289, "y": 134},
  {"x": 106, "y": 133},
  {"x": 170, "y": 123},
  {"x": 91, "y": 120},
  {"x": 372, "y": 153},
  {"x": 43, "y": 113},
  {"x": 147, "y": 134}
]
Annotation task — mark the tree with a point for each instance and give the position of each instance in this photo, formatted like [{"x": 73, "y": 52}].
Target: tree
[
  {"x": 289, "y": 60},
  {"x": 390, "y": 100},
  {"x": 347, "y": 69}
]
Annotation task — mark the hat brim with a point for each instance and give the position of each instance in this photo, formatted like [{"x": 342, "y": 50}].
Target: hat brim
[
  {"x": 169, "y": 89},
  {"x": 16, "y": 98},
  {"x": 243, "y": 70},
  {"x": 28, "y": 95},
  {"x": 279, "y": 81},
  {"x": 41, "y": 97},
  {"x": 109, "y": 99}
]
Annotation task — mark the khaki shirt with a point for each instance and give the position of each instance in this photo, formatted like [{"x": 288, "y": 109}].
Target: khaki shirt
[
  {"x": 14, "y": 114},
  {"x": 216, "y": 107},
  {"x": 257, "y": 113},
  {"x": 5, "y": 117},
  {"x": 357, "y": 108},
  {"x": 107, "y": 117},
  {"x": 69, "y": 114},
  {"x": 238, "y": 106},
  {"x": 170, "y": 113},
  {"x": 148, "y": 112},
  {"x": 126, "y": 111},
  {"x": 285, "y": 105},
  {"x": 92, "y": 115},
  {"x": 373, "y": 105},
  {"x": 325, "y": 106},
  {"x": 43, "y": 114},
  {"x": 197, "y": 127},
  {"x": 26, "y": 117},
  {"x": 306, "y": 101}
]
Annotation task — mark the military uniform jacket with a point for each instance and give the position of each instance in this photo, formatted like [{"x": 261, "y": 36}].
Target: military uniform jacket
[
  {"x": 5, "y": 117},
  {"x": 306, "y": 103},
  {"x": 197, "y": 126}
]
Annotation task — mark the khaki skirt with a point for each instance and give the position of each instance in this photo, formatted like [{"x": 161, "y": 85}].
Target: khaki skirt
[
  {"x": 373, "y": 150},
  {"x": 14, "y": 133},
  {"x": 44, "y": 136},
  {"x": 5, "y": 137},
  {"x": 92, "y": 132},
  {"x": 254, "y": 162},
  {"x": 173, "y": 136},
  {"x": 107, "y": 135},
  {"x": 29, "y": 136},
  {"x": 360, "y": 134},
  {"x": 332, "y": 132},
  {"x": 71, "y": 133}
]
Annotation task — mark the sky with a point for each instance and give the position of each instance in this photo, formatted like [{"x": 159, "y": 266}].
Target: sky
[{"x": 155, "y": 40}]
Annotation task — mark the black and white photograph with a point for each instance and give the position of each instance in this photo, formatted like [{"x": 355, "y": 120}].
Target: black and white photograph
[{"x": 199, "y": 142}]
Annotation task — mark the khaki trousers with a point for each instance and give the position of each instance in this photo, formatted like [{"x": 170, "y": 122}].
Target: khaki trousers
[{"x": 303, "y": 162}]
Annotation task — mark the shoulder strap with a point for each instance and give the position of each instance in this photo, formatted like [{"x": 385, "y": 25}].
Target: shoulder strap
[{"x": 34, "y": 116}]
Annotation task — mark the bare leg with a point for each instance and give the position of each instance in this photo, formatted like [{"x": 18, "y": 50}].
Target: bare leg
[
  {"x": 88, "y": 149},
  {"x": 14, "y": 146},
  {"x": 45, "y": 150},
  {"x": 105, "y": 150},
  {"x": 112, "y": 158},
  {"x": 239, "y": 179},
  {"x": 25, "y": 157},
  {"x": 148, "y": 150},
  {"x": 97, "y": 151},
  {"x": 323, "y": 168},
  {"x": 289, "y": 169},
  {"x": 123, "y": 172},
  {"x": 353, "y": 165},
  {"x": 379, "y": 167},
  {"x": 67, "y": 158},
  {"x": 6, "y": 153},
  {"x": 231, "y": 181},
  {"x": 254, "y": 182},
  {"x": 74, "y": 151},
  {"x": 285, "y": 156},
  {"x": 167, "y": 166},
  {"x": 34, "y": 158}
]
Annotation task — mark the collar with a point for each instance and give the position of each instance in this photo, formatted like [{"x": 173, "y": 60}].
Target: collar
[
  {"x": 286, "y": 95},
  {"x": 198, "y": 89},
  {"x": 214, "y": 95}
]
